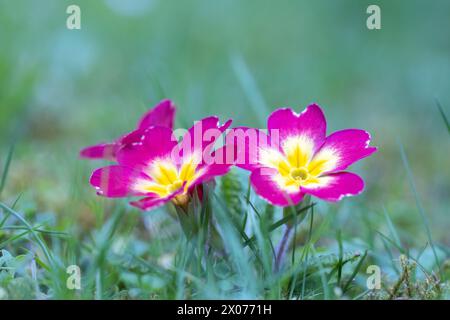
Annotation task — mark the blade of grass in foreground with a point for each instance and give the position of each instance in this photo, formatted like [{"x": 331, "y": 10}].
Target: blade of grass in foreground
[
  {"x": 233, "y": 245},
  {"x": 418, "y": 202},
  {"x": 341, "y": 257},
  {"x": 282, "y": 221},
  {"x": 6, "y": 168},
  {"x": 306, "y": 253},
  {"x": 387, "y": 243},
  {"x": 37, "y": 229},
  {"x": 392, "y": 229},
  {"x": 444, "y": 117},
  {"x": 355, "y": 272},
  {"x": 39, "y": 241},
  {"x": 323, "y": 277}
]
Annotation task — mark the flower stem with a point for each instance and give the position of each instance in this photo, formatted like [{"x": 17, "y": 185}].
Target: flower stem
[{"x": 283, "y": 247}]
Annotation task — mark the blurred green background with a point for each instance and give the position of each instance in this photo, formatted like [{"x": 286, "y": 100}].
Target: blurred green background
[{"x": 61, "y": 90}]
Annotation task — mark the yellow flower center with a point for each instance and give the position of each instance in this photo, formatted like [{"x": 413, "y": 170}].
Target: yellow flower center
[
  {"x": 167, "y": 177},
  {"x": 299, "y": 174},
  {"x": 297, "y": 166}
]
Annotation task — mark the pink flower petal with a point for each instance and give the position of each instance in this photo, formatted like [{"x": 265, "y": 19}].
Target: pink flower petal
[
  {"x": 310, "y": 123},
  {"x": 116, "y": 181},
  {"x": 153, "y": 201},
  {"x": 162, "y": 114},
  {"x": 131, "y": 137},
  {"x": 100, "y": 151},
  {"x": 247, "y": 143},
  {"x": 345, "y": 147},
  {"x": 155, "y": 142},
  {"x": 218, "y": 165},
  {"x": 200, "y": 138},
  {"x": 225, "y": 154},
  {"x": 262, "y": 180},
  {"x": 208, "y": 173},
  {"x": 335, "y": 186}
]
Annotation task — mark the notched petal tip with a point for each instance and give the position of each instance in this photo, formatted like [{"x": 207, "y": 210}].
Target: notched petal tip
[
  {"x": 285, "y": 111},
  {"x": 371, "y": 149},
  {"x": 313, "y": 107}
]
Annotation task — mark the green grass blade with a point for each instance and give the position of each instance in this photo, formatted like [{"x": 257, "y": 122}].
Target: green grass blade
[
  {"x": 7, "y": 214},
  {"x": 392, "y": 242},
  {"x": 233, "y": 246},
  {"x": 323, "y": 276},
  {"x": 6, "y": 168},
  {"x": 444, "y": 116},
  {"x": 386, "y": 242},
  {"x": 30, "y": 228},
  {"x": 392, "y": 229},
  {"x": 13, "y": 238},
  {"x": 306, "y": 253},
  {"x": 355, "y": 272},
  {"x": 418, "y": 202},
  {"x": 282, "y": 221},
  {"x": 36, "y": 229},
  {"x": 240, "y": 229},
  {"x": 253, "y": 208},
  {"x": 289, "y": 217},
  {"x": 341, "y": 257}
]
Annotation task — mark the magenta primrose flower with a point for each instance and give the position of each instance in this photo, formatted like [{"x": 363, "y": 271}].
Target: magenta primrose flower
[
  {"x": 296, "y": 157},
  {"x": 160, "y": 169},
  {"x": 162, "y": 114}
]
